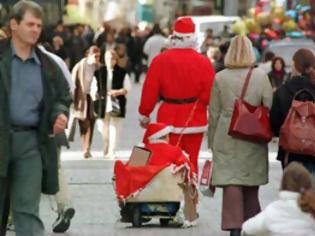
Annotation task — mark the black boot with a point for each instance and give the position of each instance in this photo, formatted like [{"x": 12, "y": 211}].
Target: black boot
[{"x": 235, "y": 232}]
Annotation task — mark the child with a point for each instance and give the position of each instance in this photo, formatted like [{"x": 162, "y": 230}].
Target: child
[{"x": 293, "y": 213}]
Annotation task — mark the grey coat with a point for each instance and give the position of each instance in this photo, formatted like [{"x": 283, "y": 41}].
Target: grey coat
[{"x": 237, "y": 162}]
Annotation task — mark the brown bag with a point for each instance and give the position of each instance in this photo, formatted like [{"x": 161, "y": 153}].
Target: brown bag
[
  {"x": 297, "y": 134},
  {"x": 248, "y": 122}
]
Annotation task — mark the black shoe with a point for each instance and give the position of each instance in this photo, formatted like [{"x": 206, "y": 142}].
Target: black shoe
[
  {"x": 62, "y": 223},
  {"x": 235, "y": 232}
]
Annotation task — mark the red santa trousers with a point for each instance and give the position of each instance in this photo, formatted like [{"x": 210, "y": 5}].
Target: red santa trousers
[{"x": 191, "y": 144}]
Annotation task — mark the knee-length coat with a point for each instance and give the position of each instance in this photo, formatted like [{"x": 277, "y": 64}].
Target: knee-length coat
[{"x": 237, "y": 162}]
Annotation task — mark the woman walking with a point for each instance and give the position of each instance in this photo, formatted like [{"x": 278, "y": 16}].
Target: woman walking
[
  {"x": 239, "y": 167},
  {"x": 304, "y": 65},
  {"x": 277, "y": 76}
]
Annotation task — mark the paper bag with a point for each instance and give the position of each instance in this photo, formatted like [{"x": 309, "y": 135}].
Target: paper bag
[{"x": 205, "y": 180}]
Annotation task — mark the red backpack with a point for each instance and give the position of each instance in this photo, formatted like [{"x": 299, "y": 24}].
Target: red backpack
[{"x": 297, "y": 134}]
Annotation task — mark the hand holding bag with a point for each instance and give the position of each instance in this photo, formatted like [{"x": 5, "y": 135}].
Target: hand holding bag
[
  {"x": 206, "y": 188},
  {"x": 249, "y": 122}
]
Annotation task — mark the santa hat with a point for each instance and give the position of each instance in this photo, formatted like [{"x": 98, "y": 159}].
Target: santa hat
[
  {"x": 155, "y": 131},
  {"x": 184, "y": 26}
]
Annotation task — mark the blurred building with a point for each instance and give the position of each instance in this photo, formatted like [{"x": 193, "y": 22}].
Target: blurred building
[{"x": 53, "y": 10}]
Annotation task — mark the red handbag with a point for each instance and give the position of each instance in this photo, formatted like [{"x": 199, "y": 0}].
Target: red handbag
[
  {"x": 248, "y": 122},
  {"x": 297, "y": 134}
]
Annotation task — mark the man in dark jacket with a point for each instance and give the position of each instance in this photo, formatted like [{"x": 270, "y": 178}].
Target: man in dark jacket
[{"x": 34, "y": 101}]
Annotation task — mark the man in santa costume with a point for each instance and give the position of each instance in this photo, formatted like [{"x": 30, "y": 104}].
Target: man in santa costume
[{"x": 182, "y": 78}]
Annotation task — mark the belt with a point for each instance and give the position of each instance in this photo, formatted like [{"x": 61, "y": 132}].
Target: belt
[
  {"x": 21, "y": 128},
  {"x": 179, "y": 101}
]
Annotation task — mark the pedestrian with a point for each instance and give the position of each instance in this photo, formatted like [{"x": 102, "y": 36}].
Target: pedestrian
[
  {"x": 293, "y": 213},
  {"x": 63, "y": 198},
  {"x": 182, "y": 78},
  {"x": 304, "y": 64},
  {"x": 154, "y": 44},
  {"x": 277, "y": 76},
  {"x": 266, "y": 64},
  {"x": 114, "y": 76},
  {"x": 35, "y": 101},
  {"x": 239, "y": 167},
  {"x": 83, "y": 109}
]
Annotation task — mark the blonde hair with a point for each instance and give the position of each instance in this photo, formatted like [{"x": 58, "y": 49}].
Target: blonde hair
[{"x": 240, "y": 53}]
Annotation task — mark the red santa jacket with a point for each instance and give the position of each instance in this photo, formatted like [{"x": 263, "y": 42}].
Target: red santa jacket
[
  {"x": 179, "y": 77},
  {"x": 130, "y": 180}
]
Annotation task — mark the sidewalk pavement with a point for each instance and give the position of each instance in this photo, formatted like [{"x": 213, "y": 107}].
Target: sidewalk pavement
[{"x": 97, "y": 212}]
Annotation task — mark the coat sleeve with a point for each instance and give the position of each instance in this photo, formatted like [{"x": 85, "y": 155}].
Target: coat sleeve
[
  {"x": 208, "y": 82},
  {"x": 255, "y": 225},
  {"x": 63, "y": 97},
  {"x": 151, "y": 89},
  {"x": 214, "y": 112}
]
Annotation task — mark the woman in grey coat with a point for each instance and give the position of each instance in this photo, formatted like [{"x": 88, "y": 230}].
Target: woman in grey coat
[{"x": 239, "y": 167}]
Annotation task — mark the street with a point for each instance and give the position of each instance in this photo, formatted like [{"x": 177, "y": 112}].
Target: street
[{"x": 97, "y": 212}]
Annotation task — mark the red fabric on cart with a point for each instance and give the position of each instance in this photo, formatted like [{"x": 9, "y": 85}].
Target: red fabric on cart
[{"x": 132, "y": 179}]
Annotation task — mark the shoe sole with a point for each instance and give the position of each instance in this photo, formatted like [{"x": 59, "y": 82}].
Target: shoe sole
[{"x": 64, "y": 225}]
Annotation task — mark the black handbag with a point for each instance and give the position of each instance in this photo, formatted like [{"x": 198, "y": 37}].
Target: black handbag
[{"x": 115, "y": 112}]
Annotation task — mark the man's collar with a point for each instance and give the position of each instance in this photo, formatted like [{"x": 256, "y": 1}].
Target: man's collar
[{"x": 32, "y": 56}]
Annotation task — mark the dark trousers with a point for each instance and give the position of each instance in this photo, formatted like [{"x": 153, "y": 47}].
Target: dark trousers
[
  {"x": 86, "y": 131},
  {"x": 239, "y": 204},
  {"x": 25, "y": 185},
  {"x": 87, "y": 126}
]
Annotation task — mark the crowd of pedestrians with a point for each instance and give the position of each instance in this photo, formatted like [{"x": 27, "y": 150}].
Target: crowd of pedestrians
[{"x": 73, "y": 72}]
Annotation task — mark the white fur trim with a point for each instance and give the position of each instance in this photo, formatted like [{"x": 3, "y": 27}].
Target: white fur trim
[
  {"x": 158, "y": 141},
  {"x": 183, "y": 34},
  {"x": 144, "y": 119},
  {"x": 161, "y": 133},
  {"x": 190, "y": 130}
]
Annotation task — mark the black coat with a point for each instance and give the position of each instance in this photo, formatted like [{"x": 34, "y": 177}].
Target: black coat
[
  {"x": 275, "y": 81},
  {"x": 280, "y": 107}
]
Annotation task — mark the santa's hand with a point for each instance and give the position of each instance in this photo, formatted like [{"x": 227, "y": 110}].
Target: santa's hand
[{"x": 144, "y": 121}]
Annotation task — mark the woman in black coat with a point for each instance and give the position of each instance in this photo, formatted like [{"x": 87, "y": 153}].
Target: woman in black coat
[
  {"x": 277, "y": 75},
  {"x": 304, "y": 64}
]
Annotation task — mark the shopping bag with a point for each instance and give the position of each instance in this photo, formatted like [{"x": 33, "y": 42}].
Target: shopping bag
[{"x": 205, "y": 186}]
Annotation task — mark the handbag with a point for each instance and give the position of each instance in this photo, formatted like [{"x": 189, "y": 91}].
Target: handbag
[
  {"x": 115, "y": 112},
  {"x": 249, "y": 122},
  {"x": 297, "y": 134},
  {"x": 205, "y": 186}
]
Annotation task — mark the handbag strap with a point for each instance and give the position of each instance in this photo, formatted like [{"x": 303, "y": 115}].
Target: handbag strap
[
  {"x": 303, "y": 91},
  {"x": 187, "y": 122},
  {"x": 245, "y": 86}
]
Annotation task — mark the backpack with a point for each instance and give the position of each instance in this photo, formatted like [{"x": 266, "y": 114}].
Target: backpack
[{"x": 297, "y": 134}]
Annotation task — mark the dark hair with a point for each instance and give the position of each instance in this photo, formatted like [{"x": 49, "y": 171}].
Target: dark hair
[
  {"x": 304, "y": 62},
  {"x": 23, "y": 6},
  {"x": 296, "y": 178},
  {"x": 273, "y": 63},
  {"x": 94, "y": 49},
  {"x": 156, "y": 29},
  {"x": 268, "y": 56}
]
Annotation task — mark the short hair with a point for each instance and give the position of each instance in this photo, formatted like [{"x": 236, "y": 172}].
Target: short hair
[
  {"x": 21, "y": 7},
  {"x": 269, "y": 56},
  {"x": 240, "y": 53}
]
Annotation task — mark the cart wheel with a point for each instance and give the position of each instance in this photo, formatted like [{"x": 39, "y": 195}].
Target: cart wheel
[
  {"x": 136, "y": 217},
  {"x": 164, "y": 222}
]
